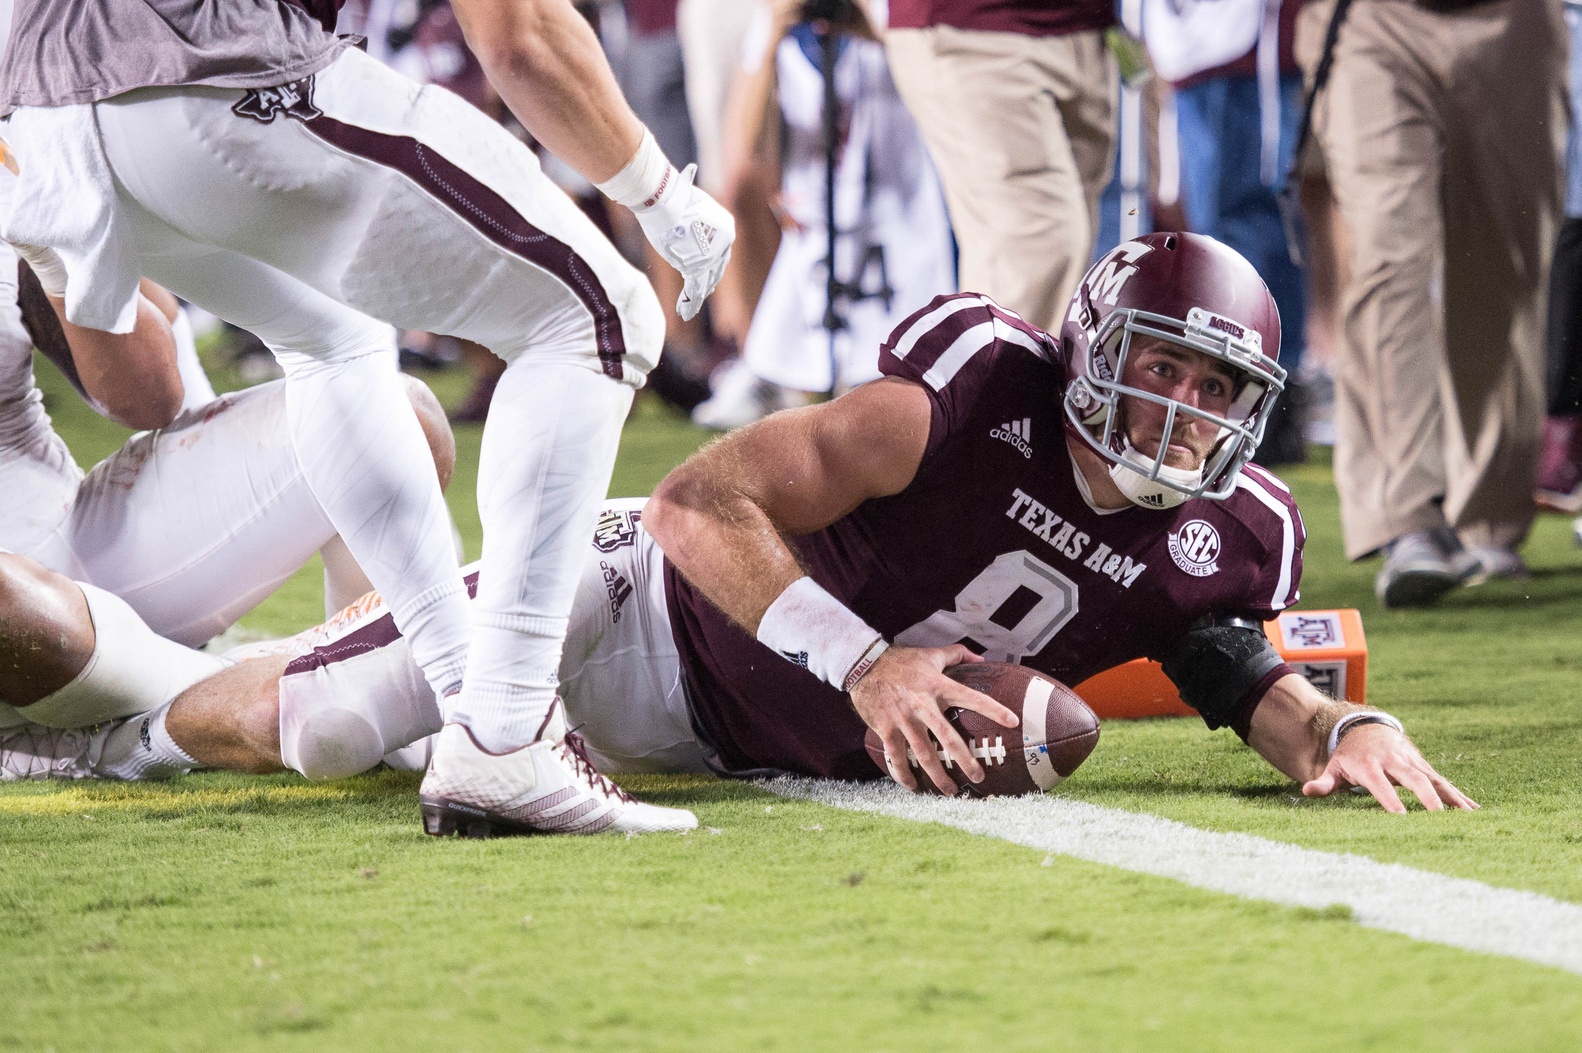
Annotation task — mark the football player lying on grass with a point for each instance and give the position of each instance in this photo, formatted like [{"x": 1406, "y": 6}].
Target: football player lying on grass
[{"x": 1067, "y": 504}]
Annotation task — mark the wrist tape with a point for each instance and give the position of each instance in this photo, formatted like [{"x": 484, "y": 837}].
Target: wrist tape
[
  {"x": 647, "y": 179},
  {"x": 47, "y": 266},
  {"x": 1362, "y": 716},
  {"x": 809, "y": 627}
]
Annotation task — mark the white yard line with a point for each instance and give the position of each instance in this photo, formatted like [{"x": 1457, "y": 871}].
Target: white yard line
[{"x": 1425, "y": 906}]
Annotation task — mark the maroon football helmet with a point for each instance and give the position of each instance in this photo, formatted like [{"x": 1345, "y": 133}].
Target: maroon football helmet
[{"x": 1189, "y": 290}]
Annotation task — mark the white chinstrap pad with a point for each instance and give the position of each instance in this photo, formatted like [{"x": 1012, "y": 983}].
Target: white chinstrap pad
[{"x": 132, "y": 670}]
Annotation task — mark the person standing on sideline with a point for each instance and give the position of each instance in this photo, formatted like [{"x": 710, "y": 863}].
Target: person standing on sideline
[
  {"x": 1016, "y": 101},
  {"x": 1238, "y": 100},
  {"x": 1442, "y": 124}
]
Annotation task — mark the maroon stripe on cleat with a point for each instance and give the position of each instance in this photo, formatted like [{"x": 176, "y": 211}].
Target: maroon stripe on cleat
[
  {"x": 544, "y": 804},
  {"x": 569, "y": 817},
  {"x": 489, "y": 214}
]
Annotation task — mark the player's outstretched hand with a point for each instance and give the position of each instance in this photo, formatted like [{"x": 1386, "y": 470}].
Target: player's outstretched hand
[
  {"x": 903, "y": 698},
  {"x": 694, "y": 233},
  {"x": 1378, "y": 758}
]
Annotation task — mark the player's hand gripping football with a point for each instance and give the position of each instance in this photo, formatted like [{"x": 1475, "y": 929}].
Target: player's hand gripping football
[
  {"x": 694, "y": 234},
  {"x": 903, "y": 698},
  {"x": 1378, "y": 758}
]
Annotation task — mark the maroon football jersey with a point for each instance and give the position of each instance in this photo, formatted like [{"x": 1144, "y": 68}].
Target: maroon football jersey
[{"x": 994, "y": 544}]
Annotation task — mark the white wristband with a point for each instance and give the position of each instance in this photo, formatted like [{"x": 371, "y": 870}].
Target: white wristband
[
  {"x": 47, "y": 266},
  {"x": 814, "y": 630},
  {"x": 1372, "y": 716},
  {"x": 645, "y": 181}
]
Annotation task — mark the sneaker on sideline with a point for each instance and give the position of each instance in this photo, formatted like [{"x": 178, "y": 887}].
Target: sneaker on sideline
[
  {"x": 1559, "y": 486},
  {"x": 1489, "y": 563},
  {"x": 1417, "y": 571},
  {"x": 741, "y": 397}
]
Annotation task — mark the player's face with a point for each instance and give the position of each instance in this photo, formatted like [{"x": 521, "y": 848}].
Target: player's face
[{"x": 1189, "y": 377}]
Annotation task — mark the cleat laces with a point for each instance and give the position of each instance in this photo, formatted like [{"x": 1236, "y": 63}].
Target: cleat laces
[{"x": 575, "y": 750}]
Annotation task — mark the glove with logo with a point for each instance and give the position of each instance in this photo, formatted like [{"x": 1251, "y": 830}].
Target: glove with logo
[{"x": 691, "y": 230}]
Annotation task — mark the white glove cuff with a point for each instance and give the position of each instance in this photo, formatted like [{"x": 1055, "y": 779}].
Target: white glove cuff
[
  {"x": 1369, "y": 716},
  {"x": 814, "y": 630},
  {"x": 47, "y": 266},
  {"x": 647, "y": 179}
]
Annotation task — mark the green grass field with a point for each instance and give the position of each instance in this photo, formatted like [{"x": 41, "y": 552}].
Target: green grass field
[{"x": 222, "y": 912}]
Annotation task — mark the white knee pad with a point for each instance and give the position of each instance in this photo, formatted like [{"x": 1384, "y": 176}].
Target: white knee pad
[
  {"x": 330, "y": 742},
  {"x": 132, "y": 669},
  {"x": 348, "y": 703}
]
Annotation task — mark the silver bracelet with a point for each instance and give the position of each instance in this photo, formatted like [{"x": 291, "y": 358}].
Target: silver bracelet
[{"x": 1361, "y": 716}]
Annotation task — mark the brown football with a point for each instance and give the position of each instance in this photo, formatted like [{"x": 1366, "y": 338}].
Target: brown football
[{"x": 1057, "y": 733}]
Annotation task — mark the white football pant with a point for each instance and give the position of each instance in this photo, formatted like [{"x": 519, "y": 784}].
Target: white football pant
[
  {"x": 410, "y": 206},
  {"x": 620, "y": 676}
]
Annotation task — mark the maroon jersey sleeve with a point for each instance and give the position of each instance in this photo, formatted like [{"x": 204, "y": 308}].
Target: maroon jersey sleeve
[
  {"x": 950, "y": 348},
  {"x": 1273, "y": 515}
]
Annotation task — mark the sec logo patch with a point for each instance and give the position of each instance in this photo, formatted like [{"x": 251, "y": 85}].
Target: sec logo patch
[{"x": 1195, "y": 548}]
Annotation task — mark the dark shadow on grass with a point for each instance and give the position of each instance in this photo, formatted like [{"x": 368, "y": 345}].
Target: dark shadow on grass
[
  {"x": 1193, "y": 788},
  {"x": 1546, "y": 588}
]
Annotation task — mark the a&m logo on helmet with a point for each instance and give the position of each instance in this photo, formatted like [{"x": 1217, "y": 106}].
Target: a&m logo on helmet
[
  {"x": 1105, "y": 280},
  {"x": 1195, "y": 548}
]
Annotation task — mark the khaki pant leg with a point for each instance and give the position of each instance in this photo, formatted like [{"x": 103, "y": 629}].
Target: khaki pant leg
[
  {"x": 1505, "y": 126},
  {"x": 1022, "y": 131},
  {"x": 1380, "y": 131},
  {"x": 712, "y": 33}
]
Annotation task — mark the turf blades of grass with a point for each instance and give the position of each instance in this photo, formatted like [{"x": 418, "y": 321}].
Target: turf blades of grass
[{"x": 269, "y": 914}]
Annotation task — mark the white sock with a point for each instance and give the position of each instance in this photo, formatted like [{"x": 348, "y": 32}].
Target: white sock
[
  {"x": 141, "y": 749},
  {"x": 548, "y": 451},
  {"x": 365, "y": 458}
]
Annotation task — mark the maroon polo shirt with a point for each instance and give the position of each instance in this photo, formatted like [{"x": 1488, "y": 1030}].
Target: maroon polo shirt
[
  {"x": 651, "y": 16},
  {"x": 1034, "y": 18}
]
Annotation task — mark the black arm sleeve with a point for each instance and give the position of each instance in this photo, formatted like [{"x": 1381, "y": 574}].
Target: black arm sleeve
[{"x": 1218, "y": 664}]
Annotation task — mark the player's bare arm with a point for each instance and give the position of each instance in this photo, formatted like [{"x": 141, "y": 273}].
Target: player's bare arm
[
  {"x": 723, "y": 516},
  {"x": 548, "y": 67},
  {"x": 752, "y": 113},
  {"x": 1294, "y": 724},
  {"x": 131, "y": 377},
  {"x": 546, "y": 63}
]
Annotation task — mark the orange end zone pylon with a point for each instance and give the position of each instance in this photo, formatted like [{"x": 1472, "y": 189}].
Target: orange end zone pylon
[{"x": 1327, "y": 647}]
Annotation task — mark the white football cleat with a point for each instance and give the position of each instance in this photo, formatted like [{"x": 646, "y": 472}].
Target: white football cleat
[{"x": 548, "y": 786}]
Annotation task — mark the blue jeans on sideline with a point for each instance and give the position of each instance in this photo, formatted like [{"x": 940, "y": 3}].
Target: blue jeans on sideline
[{"x": 1223, "y": 193}]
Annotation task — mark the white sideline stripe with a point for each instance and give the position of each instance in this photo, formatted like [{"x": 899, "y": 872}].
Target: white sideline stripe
[{"x": 1453, "y": 911}]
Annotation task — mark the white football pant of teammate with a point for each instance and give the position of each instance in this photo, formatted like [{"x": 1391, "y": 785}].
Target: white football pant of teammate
[{"x": 413, "y": 207}]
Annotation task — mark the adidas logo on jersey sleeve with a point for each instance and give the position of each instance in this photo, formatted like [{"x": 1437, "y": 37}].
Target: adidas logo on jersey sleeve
[{"x": 1019, "y": 433}]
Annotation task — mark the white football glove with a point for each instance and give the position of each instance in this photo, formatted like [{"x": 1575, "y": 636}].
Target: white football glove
[
  {"x": 691, "y": 231},
  {"x": 694, "y": 234}
]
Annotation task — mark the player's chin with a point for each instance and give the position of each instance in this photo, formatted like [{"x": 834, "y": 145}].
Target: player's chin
[{"x": 1183, "y": 458}]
